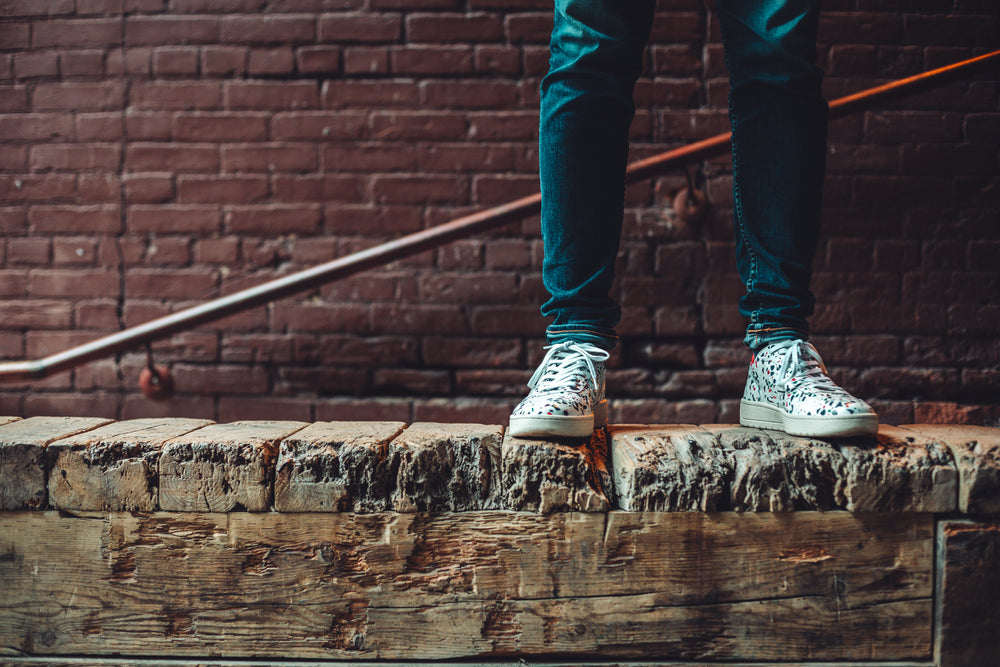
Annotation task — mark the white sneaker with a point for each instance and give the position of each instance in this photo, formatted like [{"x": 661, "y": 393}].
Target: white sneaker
[
  {"x": 788, "y": 389},
  {"x": 567, "y": 394}
]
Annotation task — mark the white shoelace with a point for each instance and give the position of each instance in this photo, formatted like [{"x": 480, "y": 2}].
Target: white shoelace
[
  {"x": 801, "y": 359},
  {"x": 565, "y": 362}
]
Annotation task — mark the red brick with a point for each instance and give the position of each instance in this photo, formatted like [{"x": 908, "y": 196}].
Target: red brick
[
  {"x": 63, "y": 33},
  {"x": 156, "y": 30},
  {"x": 15, "y": 35},
  {"x": 36, "y": 127},
  {"x": 78, "y": 96},
  {"x": 368, "y": 60},
  {"x": 192, "y": 189},
  {"x": 14, "y": 283},
  {"x": 265, "y": 95},
  {"x": 318, "y": 59},
  {"x": 242, "y": 408},
  {"x": 172, "y": 283},
  {"x": 318, "y": 125},
  {"x": 218, "y": 127},
  {"x": 176, "y": 95},
  {"x": 370, "y": 409},
  {"x": 220, "y": 379},
  {"x": 217, "y": 251},
  {"x": 43, "y": 343},
  {"x": 32, "y": 65},
  {"x": 473, "y": 352},
  {"x": 470, "y": 94},
  {"x": 264, "y": 29},
  {"x": 368, "y": 94},
  {"x": 14, "y": 159},
  {"x": 223, "y": 60},
  {"x": 73, "y": 283},
  {"x": 166, "y": 251},
  {"x": 37, "y": 187},
  {"x": 320, "y": 188},
  {"x": 35, "y": 314},
  {"x": 271, "y": 62},
  {"x": 407, "y": 381},
  {"x": 440, "y": 28},
  {"x": 74, "y": 157},
  {"x": 463, "y": 410},
  {"x": 354, "y": 28},
  {"x": 170, "y": 157},
  {"x": 530, "y": 28},
  {"x": 419, "y": 189},
  {"x": 259, "y": 348},
  {"x": 269, "y": 157},
  {"x": 72, "y": 404},
  {"x": 175, "y": 61},
  {"x": 28, "y": 251},
  {"x": 273, "y": 220},
  {"x": 83, "y": 63},
  {"x": 488, "y": 190},
  {"x": 328, "y": 317},
  {"x": 101, "y": 126},
  {"x": 376, "y": 220},
  {"x": 137, "y": 406},
  {"x": 80, "y": 250},
  {"x": 332, "y": 380},
  {"x": 503, "y": 126},
  {"x": 423, "y": 318},
  {"x": 369, "y": 157},
  {"x": 424, "y": 60},
  {"x": 174, "y": 218},
  {"x": 904, "y": 126},
  {"x": 148, "y": 187},
  {"x": 416, "y": 125},
  {"x": 491, "y": 59}
]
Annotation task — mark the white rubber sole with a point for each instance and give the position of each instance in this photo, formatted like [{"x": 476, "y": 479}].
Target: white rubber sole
[
  {"x": 553, "y": 426},
  {"x": 762, "y": 415}
]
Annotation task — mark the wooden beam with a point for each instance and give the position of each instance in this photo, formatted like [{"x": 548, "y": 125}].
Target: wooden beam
[
  {"x": 976, "y": 450},
  {"x": 763, "y": 587}
]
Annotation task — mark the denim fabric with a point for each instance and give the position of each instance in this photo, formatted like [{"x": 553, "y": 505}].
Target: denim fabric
[{"x": 778, "y": 117}]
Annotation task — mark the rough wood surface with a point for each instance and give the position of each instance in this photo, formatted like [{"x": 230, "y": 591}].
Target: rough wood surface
[
  {"x": 444, "y": 467},
  {"x": 222, "y": 467},
  {"x": 825, "y": 586},
  {"x": 669, "y": 469},
  {"x": 114, "y": 467},
  {"x": 23, "y": 462},
  {"x": 335, "y": 467},
  {"x": 976, "y": 450},
  {"x": 968, "y": 616},
  {"x": 557, "y": 475}
]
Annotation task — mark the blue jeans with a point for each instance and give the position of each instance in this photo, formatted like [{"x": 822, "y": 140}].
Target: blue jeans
[{"x": 778, "y": 118}]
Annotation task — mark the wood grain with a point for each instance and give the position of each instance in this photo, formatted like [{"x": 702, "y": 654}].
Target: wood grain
[
  {"x": 811, "y": 586},
  {"x": 968, "y": 617},
  {"x": 222, "y": 467},
  {"x": 545, "y": 476},
  {"x": 444, "y": 467},
  {"x": 114, "y": 467},
  {"x": 335, "y": 467},
  {"x": 23, "y": 463},
  {"x": 976, "y": 450}
]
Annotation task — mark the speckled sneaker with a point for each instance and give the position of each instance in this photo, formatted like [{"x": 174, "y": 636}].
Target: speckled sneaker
[
  {"x": 788, "y": 389},
  {"x": 567, "y": 394}
]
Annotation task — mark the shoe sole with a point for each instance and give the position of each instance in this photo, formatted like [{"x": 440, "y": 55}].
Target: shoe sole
[
  {"x": 762, "y": 415},
  {"x": 552, "y": 426}
]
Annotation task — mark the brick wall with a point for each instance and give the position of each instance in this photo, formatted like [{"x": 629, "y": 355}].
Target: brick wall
[{"x": 157, "y": 153}]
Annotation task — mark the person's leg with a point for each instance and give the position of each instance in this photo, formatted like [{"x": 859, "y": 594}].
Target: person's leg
[
  {"x": 779, "y": 118},
  {"x": 586, "y": 109}
]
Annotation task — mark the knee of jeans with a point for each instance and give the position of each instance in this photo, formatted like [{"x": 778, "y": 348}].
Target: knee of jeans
[{"x": 776, "y": 42}]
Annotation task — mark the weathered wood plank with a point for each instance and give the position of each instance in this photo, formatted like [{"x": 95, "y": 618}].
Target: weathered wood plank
[
  {"x": 976, "y": 450},
  {"x": 669, "y": 468},
  {"x": 557, "y": 475},
  {"x": 968, "y": 588},
  {"x": 811, "y": 586},
  {"x": 114, "y": 467},
  {"x": 545, "y": 662},
  {"x": 444, "y": 467},
  {"x": 335, "y": 467},
  {"x": 893, "y": 472},
  {"x": 23, "y": 464},
  {"x": 222, "y": 467}
]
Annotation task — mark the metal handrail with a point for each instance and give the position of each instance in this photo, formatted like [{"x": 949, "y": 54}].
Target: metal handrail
[{"x": 411, "y": 244}]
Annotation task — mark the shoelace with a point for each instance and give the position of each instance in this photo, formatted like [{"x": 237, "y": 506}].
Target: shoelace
[
  {"x": 801, "y": 359},
  {"x": 565, "y": 362}
]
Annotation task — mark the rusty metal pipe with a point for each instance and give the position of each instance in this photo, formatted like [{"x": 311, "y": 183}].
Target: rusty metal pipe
[{"x": 423, "y": 240}]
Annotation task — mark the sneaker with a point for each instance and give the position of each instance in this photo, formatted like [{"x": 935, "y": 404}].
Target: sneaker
[
  {"x": 788, "y": 389},
  {"x": 567, "y": 394}
]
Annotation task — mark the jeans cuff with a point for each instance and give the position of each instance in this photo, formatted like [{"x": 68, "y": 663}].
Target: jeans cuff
[
  {"x": 761, "y": 336},
  {"x": 604, "y": 339}
]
